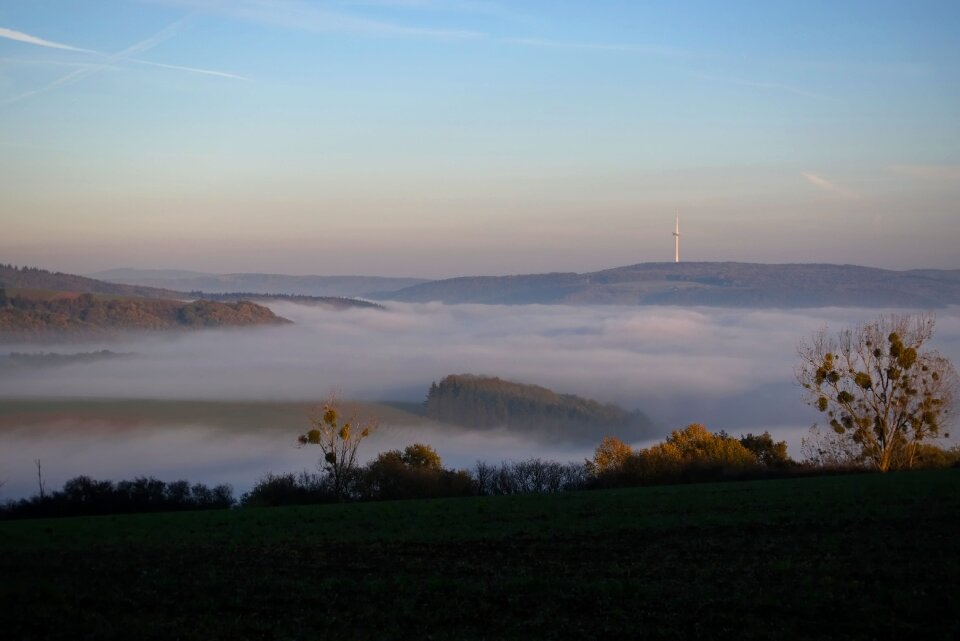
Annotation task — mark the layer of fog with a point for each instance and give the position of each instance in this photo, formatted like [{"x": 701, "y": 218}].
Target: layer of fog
[
  {"x": 205, "y": 454},
  {"x": 729, "y": 369}
]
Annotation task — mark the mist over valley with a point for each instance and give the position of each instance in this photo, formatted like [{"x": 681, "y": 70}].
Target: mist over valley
[{"x": 191, "y": 393}]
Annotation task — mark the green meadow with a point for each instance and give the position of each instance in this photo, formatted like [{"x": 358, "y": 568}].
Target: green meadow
[{"x": 848, "y": 557}]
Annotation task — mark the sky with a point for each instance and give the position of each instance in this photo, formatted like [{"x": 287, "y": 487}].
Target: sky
[{"x": 438, "y": 138}]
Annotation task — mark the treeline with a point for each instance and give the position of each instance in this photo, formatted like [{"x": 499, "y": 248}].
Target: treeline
[
  {"x": 531, "y": 476},
  {"x": 483, "y": 402},
  {"x": 692, "y": 454},
  {"x": 54, "y": 359},
  {"x": 12, "y": 276},
  {"x": 92, "y": 313},
  {"x": 393, "y": 476},
  {"x": 84, "y": 496},
  {"x": 336, "y": 302},
  {"x": 417, "y": 471}
]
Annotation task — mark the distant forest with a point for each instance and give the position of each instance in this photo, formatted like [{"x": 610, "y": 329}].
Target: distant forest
[
  {"x": 20, "y": 360},
  {"x": 726, "y": 284},
  {"x": 12, "y": 277},
  {"x": 483, "y": 402},
  {"x": 87, "y": 312},
  {"x": 333, "y": 302}
]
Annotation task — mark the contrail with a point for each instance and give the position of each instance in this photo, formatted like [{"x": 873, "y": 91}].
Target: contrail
[
  {"x": 79, "y": 74},
  {"x": 826, "y": 185},
  {"x": 657, "y": 50},
  {"x": 207, "y": 72},
  {"x": 106, "y": 60},
  {"x": 19, "y": 36}
]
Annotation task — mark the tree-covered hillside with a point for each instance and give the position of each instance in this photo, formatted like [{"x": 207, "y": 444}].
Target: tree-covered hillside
[
  {"x": 328, "y": 302},
  {"x": 717, "y": 284},
  {"x": 337, "y": 286},
  {"x": 12, "y": 276},
  {"x": 86, "y": 312},
  {"x": 482, "y": 402}
]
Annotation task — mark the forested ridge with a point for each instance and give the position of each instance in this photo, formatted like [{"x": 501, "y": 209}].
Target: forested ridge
[
  {"x": 481, "y": 402},
  {"x": 330, "y": 302},
  {"x": 86, "y": 312},
  {"x": 12, "y": 276},
  {"x": 722, "y": 284}
]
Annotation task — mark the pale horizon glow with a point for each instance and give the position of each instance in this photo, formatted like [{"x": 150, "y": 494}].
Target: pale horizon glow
[{"x": 441, "y": 139}]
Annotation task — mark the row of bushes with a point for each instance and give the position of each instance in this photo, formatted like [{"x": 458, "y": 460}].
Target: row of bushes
[
  {"x": 415, "y": 472},
  {"x": 532, "y": 476},
  {"x": 692, "y": 454},
  {"x": 688, "y": 455},
  {"x": 389, "y": 477},
  {"x": 85, "y": 496}
]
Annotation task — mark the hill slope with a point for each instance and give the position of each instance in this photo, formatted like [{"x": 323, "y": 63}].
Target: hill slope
[
  {"x": 92, "y": 314},
  {"x": 484, "y": 402},
  {"x": 41, "y": 280},
  {"x": 34, "y": 278},
  {"x": 259, "y": 283},
  {"x": 328, "y": 302},
  {"x": 715, "y": 284}
]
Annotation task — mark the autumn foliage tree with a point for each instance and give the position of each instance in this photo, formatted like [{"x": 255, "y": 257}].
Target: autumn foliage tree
[
  {"x": 695, "y": 449},
  {"x": 882, "y": 391},
  {"x": 688, "y": 454},
  {"x": 338, "y": 440},
  {"x": 612, "y": 455},
  {"x": 415, "y": 472},
  {"x": 768, "y": 452}
]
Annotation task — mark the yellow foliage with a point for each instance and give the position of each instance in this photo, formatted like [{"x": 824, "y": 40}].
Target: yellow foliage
[
  {"x": 695, "y": 444},
  {"x": 612, "y": 454}
]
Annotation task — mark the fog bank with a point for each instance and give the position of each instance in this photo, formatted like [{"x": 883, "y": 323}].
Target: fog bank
[
  {"x": 677, "y": 364},
  {"x": 730, "y": 369}
]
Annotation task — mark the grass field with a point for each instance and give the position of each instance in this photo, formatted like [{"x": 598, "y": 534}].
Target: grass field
[{"x": 861, "y": 557}]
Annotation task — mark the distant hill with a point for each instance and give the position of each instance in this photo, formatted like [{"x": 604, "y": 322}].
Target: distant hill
[
  {"x": 484, "y": 402},
  {"x": 330, "y": 302},
  {"x": 41, "y": 280},
  {"x": 714, "y": 284},
  {"x": 338, "y": 286},
  {"x": 28, "y": 315},
  {"x": 35, "y": 278}
]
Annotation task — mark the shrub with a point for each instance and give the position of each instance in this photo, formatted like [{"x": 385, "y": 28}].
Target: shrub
[{"x": 289, "y": 489}]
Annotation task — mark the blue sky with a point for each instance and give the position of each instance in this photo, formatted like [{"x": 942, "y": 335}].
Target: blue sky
[{"x": 448, "y": 137}]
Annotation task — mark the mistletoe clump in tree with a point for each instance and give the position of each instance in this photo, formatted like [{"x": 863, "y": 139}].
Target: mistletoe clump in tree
[
  {"x": 338, "y": 441},
  {"x": 883, "y": 393}
]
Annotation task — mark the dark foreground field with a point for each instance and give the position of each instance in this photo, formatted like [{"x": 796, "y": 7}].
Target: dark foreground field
[{"x": 866, "y": 557}]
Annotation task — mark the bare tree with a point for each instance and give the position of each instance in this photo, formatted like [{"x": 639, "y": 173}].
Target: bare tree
[
  {"x": 830, "y": 449},
  {"x": 881, "y": 390},
  {"x": 338, "y": 440},
  {"x": 43, "y": 486}
]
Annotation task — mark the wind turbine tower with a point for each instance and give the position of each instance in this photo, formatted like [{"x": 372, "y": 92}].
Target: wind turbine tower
[{"x": 676, "y": 238}]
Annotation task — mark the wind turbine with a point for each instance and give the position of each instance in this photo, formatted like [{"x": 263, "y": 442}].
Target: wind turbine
[{"x": 676, "y": 237}]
